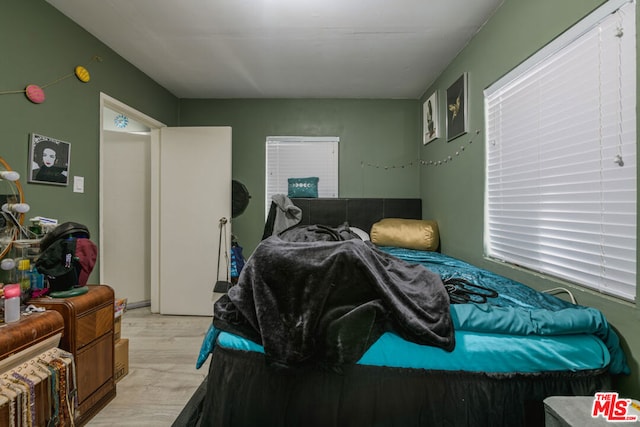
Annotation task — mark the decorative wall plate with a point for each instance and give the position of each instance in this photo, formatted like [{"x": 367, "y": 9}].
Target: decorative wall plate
[
  {"x": 121, "y": 121},
  {"x": 82, "y": 74},
  {"x": 35, "y": 94}
]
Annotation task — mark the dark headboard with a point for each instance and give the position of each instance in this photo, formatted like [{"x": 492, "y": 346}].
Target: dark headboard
[{"x": 358, "y": 212}]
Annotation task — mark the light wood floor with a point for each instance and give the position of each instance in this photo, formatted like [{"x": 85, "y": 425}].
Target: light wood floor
[{"x": 163, "y": 351}]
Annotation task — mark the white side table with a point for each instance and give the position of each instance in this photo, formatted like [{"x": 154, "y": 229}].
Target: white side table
[{"x": 575, "y": 411}]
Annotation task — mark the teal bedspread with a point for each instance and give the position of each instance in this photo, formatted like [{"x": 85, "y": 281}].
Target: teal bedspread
[
  {"x": 520, "y": 330},
  {"x": 518, "y": 309},
  {"x": 475, "y": 352}
]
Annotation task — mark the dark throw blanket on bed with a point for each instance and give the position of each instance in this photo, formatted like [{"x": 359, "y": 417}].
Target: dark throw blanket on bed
[{"x": 311, "y": 300}]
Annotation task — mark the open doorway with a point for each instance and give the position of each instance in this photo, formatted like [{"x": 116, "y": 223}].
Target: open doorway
[{"x": 125, "y": 204}]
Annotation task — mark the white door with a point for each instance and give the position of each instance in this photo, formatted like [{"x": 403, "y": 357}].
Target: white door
[{"x": 193, "y": 165}]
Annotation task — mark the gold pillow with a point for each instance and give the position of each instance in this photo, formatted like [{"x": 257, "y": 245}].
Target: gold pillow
[{"x": 406, "y": 233}]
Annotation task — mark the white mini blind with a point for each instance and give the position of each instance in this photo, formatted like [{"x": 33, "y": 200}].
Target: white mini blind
[
  {"x": 561, "y": 157},
  {"x": 301, "y": 157}
]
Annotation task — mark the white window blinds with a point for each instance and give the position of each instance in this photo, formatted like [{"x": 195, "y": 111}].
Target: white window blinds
[
  {"x": 301, "y": 157},
  {"x": 561, "y": 157}
]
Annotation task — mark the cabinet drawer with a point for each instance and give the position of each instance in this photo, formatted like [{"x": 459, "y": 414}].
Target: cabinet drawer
[
  {"x": 94, "y": 366},
  {"x": 94, "y": 325}
]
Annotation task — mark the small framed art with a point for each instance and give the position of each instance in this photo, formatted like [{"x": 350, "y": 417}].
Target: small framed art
[
  {"x": 457, "y": 108},
  {"x": 431, "y": 125},
  {"x": 49, "y": 160}
]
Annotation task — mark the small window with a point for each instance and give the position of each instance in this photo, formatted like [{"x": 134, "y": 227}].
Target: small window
[
  {"x": 297, "y": 157},
  {"x": 561, "y": 157}
]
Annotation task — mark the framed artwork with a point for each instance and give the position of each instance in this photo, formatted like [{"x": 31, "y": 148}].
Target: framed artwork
[
  {"x": 49, "y": 160},
  {"x": 431, "y": 125},
  {"x": 457, "y": 108}
]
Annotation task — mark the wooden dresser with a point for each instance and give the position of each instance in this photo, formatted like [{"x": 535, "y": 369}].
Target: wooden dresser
[
  {"x": 88, "y": 334},
  {"x": 29, "y": 331},
  {"x": 20, "y": 342}
]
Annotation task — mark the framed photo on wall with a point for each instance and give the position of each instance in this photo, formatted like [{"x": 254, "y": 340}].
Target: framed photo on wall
[
  {"x": 431, "y": 125},
  {"x": 49, "y": 160},
  {"x": 457, "y": 108}
]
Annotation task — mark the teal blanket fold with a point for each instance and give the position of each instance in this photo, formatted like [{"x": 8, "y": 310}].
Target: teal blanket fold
[{"x": 541, "y": 322}]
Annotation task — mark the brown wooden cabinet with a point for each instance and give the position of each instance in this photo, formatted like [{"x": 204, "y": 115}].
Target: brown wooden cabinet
[
  {"x": 29, "y": 331},
  {"x": 88, "y": 334},
  {"x": 20, "y": 342}
]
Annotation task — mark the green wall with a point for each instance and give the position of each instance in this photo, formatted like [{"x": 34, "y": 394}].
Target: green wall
[
  {"x": 38, "y": 45},
  {"x": 380, "y": 133},
  {"x": 453, "y": 193}
]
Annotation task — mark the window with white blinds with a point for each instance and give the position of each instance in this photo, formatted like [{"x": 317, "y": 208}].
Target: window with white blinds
[
  {"x": 561, "y": 156},
  {"x": 301, "y": 157}
]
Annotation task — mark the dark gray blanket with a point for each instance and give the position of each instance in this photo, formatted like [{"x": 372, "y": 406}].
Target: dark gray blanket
[{"x": 312, "y": 300}]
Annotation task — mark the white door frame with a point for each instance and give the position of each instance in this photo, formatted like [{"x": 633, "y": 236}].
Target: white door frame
[{"x": 153, "y": 124}]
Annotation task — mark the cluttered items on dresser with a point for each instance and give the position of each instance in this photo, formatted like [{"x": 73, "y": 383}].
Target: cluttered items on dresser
[{"x": 56, "y": 265}]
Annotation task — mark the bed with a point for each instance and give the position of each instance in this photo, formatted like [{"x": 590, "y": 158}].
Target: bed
[{"x": 384, "y": 335}]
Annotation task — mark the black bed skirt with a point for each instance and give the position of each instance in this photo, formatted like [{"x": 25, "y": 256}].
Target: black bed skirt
[{"x": 242, "y": 391}]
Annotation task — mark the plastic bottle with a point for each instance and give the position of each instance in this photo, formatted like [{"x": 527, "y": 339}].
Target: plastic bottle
[
  {"x": 11, "y": 303},
  {"x": 37, "y": 279},
  {"x": 24, "y": 277}
]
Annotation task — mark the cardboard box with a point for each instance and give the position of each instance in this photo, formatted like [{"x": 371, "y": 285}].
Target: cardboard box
[
  {"x": 121, "y": 359},
  {"x": 117, "y": 328}
]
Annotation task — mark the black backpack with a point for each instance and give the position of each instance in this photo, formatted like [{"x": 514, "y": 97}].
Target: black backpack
[{"x": 66, "y": 257}]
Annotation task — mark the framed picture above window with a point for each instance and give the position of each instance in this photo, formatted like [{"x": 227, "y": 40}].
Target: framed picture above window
[
  {"x": 49, "y": 160},
  {"x": 431, "y": 125},
  {"x": 457, "y": 108}
]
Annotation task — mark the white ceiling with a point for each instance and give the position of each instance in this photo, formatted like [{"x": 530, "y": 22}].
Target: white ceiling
[{"x": 285, "y": 48}]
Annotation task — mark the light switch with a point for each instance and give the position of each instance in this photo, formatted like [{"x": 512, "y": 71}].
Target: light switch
[{"x": 78, "y": 184}]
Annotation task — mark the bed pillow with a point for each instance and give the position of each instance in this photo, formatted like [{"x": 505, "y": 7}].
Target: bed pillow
[
  {"x": 406, "y": 233},
  {"x": 303, "y": 187}
]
